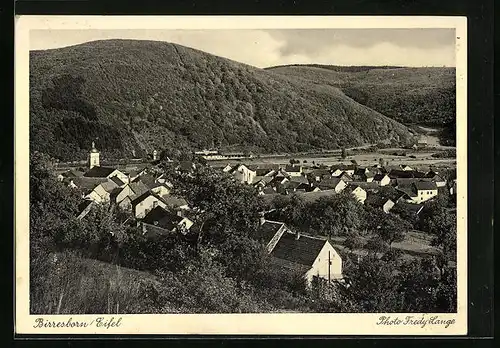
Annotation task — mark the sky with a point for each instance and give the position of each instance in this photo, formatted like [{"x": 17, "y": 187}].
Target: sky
[{"x": 264, "y": 48}]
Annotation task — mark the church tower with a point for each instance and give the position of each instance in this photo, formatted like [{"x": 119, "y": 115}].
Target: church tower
[{"x": 93, "y": 157}]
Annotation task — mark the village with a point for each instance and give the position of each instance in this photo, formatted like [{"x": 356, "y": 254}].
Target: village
[{"x": 148, "y": 198}]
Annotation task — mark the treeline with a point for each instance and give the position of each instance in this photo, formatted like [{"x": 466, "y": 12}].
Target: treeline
[{"x": 218, "y": 267}]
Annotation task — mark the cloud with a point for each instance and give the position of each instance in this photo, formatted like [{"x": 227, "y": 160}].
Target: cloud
[{"x": 263, "y": 48}]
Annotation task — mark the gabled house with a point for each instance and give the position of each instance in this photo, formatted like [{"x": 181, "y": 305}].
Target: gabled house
[
  {"x": 267, "y": 169},
  {"x": 175, "y": 203},
  {"x": 293, "y": 170},
  {"x": 130, "y": 191},
  {"x": 336, "y": 170},
  {"x": 379, "y": 202},
  {"x": 72, "y": 173},
  {"x": 435, "y": 177},
  {"x": 363, "y": 174},
  {"x": 146, "y": 202},
  {"x": 382, "y": 179},
  {"x": 319, "y": 174},
  {"x": 244, "y": 174},
  {"x": 358, "y": 192},
  {"x": 419, "y": 191},
  {"x": 105, "y": 172},
  {"x": 102, "y": 192},
  {"x": 335, "y": 184},
  {"x": 160, "y": 221},
  {"x": 313, "y": 257}
]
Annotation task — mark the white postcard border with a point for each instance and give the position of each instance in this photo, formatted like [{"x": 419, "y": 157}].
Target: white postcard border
[{"x": 263, "y": 324}]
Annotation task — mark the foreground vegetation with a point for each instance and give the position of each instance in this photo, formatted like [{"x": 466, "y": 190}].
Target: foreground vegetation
[{"x": 104, "y": 265}]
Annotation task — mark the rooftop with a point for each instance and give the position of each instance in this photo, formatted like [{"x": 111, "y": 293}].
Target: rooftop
[
  {"x": 303, "y": 250},
  {"x": 99, "y": 172}
]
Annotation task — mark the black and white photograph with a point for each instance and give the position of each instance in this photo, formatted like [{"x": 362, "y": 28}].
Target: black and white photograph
[{"x": 269, "y": 170}]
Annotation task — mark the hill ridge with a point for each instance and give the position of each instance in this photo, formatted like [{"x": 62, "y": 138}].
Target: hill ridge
[{"x": 177, "y": 98}]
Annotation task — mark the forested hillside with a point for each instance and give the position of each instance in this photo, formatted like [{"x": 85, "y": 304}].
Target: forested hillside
[
  {"x": 408, "y": 95},
  {"x": 133, "y": 96}
]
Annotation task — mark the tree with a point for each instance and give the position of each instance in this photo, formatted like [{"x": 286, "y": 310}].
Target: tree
[
  {"x": 343, "y": 152},
  {"x": 221, "y": 205},
  {"x": 373, "y": 285}
]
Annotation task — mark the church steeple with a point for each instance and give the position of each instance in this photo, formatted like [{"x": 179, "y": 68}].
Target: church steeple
[{"x": 93, "y": 157}]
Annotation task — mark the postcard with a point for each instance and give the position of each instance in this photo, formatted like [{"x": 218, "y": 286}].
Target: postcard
[{"x": 241, "y": 175}]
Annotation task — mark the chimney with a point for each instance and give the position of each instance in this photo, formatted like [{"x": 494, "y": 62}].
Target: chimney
[{"x": 128, "y": 176}]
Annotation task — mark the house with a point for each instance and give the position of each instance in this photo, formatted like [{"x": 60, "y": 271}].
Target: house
[
  {"x": 382, "y": 179},
  {"x": 146, "y": 202},
  {"x": 133, "y": 174},
  {"x": 358, "y": 192},
  {"x": 102, "y": 192},
  {"x": 105, "y": 172},
  {"x": 72, "y": 173},
  {"x": 313, "y": 257},
  {"x": 296, "y": 186},
  {"x": 363, "y": 174},
  {"x": 133, "y": 190},
  {"x": 435, "y": 177},
  {"x": 406, "y": 167},
  {"x": 425, "y": 190},
  {"x": 319, "y": 174},
  {"x": 175, "y": 203},
  {"x": 262, "y": 181},
  {"x": 293, "y": 170},
  {"x": 244, "y": 174},
  {"x": 336, "y": 184},
  {"x": 379, "y": 202},
  {"x": 117, "y": 181},
  {"x": 339, "y": 169},
  {"x": 419, "y": 191},
  {"x": 160, "y": 221},
  {"x": 84, "y": 208},
  {"x": 267, "y": 169}
]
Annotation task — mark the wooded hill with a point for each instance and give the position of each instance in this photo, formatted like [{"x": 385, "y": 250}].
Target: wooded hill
[
  {"x": 136, "y": 96},
  {"x": 409, "y": 95}
]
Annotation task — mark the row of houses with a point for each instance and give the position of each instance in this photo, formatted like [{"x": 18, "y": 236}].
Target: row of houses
[
  {"x": 146, "y": 196},
  {"x": 415, "y": 187}
]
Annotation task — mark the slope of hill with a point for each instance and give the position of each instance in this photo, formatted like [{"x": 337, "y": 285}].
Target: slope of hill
[
  {"x": 408, "y": 95},
  {"x": 138, "y": 95}
]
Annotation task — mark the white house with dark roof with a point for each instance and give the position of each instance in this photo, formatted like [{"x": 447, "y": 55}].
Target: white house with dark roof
[
  {"x": 105, "y": 172},
  {"x": 418, "y": 191},
  {"x": 382, "y": 179},
  {"x": 146, "y": 202},
  {"x": 336, "y": 184},
  {"x": 102, "y": 192},
  {"x": 293, "y": 170},
  {"x": 358, "y": 192},
  {"x": 314, "y": 257}
]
